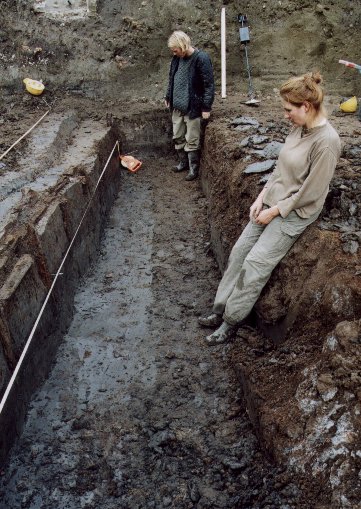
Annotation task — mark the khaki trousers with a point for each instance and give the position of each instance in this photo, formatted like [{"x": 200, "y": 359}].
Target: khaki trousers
[
  {"x": 251, "y": 262},
  {"x": 186, "y": 132}
]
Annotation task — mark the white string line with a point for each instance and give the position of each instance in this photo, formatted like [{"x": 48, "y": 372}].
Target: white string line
[
  {"x": 20, "y": 361},
  {"x": 23, "y": 136}
]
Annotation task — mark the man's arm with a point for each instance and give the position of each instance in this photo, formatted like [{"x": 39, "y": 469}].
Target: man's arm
[
  {"x": 206, "y": 75},
  {"x": 168, "y": 94}
]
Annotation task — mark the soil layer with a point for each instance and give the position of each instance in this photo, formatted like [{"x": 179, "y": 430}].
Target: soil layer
[
  {"x": 138, "y": 411},
  {"x": 182, "y": 414}
]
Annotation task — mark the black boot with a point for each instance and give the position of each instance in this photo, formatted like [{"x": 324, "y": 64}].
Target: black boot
[
  {"x": 193, "y": 158},
  {"x": 183, "y": 161}
]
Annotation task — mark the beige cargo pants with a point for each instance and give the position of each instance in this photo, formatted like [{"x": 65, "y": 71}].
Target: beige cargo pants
[
  {"x": 254, "y": 256},
  {"x": 186, "y": 132}
]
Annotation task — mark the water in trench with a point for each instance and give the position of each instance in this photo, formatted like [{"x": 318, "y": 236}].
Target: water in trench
[{"x": 138, "y": 412}]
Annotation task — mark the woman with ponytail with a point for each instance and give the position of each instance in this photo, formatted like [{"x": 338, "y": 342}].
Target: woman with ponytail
[{"x": 291, "y": 200}]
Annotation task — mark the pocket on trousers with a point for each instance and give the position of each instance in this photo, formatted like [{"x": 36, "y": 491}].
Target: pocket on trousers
[{"x": 293, "y": 225}]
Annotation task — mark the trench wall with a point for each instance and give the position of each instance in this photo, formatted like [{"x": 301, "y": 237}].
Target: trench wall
[
  {"x": 300, "y": 377},
  {"x": 33, "y": 246},
  {"x": 287, "y": 37},
  {"x": 32, "y": 249}
]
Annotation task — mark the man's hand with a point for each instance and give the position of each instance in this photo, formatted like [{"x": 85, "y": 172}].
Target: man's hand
[
  {"x": 266, "y": 216},
  {"x": 166, "y": 103},
  {"x": 206, "y": 114}
]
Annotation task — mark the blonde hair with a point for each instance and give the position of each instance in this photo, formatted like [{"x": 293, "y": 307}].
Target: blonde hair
[
  {"x": 179, "y": 39},
  {"x": 307, "y": 87}
]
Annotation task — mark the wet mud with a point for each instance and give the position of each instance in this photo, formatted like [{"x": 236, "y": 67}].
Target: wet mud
[{"x": 138, "y": 411}]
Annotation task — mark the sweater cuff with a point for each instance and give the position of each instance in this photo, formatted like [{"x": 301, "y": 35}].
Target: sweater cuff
[{"x": 284, "y": 208}]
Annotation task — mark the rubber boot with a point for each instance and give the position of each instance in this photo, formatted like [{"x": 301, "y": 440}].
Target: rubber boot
[
  {"x": 193, "y": 158},
  {"x": 183, "y": 161}
]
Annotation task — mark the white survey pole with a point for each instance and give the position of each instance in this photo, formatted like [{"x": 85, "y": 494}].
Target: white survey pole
[
  {"x": 91, "y": 7},
  {"x": 223, "y": 52}
]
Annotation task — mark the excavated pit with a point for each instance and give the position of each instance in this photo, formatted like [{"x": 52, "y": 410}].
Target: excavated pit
[
  {"x": 135, "y": 399},
  {"x": 136, "y": 411}
]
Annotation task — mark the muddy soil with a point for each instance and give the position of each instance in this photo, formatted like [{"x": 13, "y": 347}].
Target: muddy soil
[
  {"x": 182, "y": 283},
  {"x": 179, "y": 284},
  {"x": 176, "y": 420},
  {"x": 309, "y": 309},
  {"x": 287, "y": 37},
  {"x": 138, "y": 412}
]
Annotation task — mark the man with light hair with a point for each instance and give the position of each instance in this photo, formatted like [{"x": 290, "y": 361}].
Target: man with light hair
[{"x": 189, "y": 96}]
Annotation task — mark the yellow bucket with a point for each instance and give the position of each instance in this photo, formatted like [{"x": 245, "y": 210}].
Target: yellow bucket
[
  {"x": 349, "y": 106},
  {"x": 34, "y": 87}
]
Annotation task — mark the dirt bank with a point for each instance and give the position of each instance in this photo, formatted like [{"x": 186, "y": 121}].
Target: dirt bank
[
  {"x": 299, "y": 365},
  {"x": 301, "y": 379},
  {"x": 287, "y": 37}
]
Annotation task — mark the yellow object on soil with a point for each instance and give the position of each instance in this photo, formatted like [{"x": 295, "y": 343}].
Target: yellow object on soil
[
  {"x": 349, "y": 106},
  {"x": 33, "y": 87}
]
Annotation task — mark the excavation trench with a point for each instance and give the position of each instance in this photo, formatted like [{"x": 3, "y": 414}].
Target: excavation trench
[{"x": 137, "y": 411}]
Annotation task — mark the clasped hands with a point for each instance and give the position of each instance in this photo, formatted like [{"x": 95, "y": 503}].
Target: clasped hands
[{"x": 259, "y": 216}]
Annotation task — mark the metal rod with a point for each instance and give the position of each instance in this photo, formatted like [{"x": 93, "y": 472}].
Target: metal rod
[{"x": 250, "y": 87}]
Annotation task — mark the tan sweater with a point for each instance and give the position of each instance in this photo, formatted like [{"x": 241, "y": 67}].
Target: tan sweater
[{"x": 304, "y": 169}]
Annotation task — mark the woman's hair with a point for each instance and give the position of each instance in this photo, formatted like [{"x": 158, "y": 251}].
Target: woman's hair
[
  {"x": 179, "y": 39},
  {"x": 303, "y": 88}
]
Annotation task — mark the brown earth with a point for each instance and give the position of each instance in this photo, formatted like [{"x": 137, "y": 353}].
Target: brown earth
[
  {"x": 299, "y": 363},
  {"x": 301, "y": 377}
]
